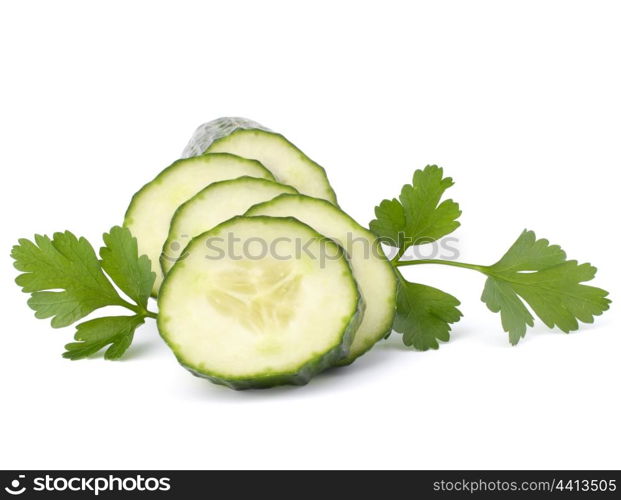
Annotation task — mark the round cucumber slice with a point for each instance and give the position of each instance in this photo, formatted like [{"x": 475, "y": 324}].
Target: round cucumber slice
[
  {"x": 216, "y": 203},
  {"x": 372, "y": 270},
  {"x": 247, "y": 317},
  {"x": 151, "y": 209}
]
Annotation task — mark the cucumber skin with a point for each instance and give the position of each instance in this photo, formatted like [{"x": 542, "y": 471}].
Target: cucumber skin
[
  {"x": 264, "y": 381},
  {"x": 207, "y": 133},
  {"x": 347, "y": 359},
  {"x": 281, "y": 137}
]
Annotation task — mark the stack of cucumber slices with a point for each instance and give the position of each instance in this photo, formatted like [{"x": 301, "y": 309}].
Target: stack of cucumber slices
[{"x": 262, "y": 279}]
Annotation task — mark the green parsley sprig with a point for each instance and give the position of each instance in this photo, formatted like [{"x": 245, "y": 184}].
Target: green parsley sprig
[
  {"x": 67, "y": 282},
  {"x": 532, "y": 272}
]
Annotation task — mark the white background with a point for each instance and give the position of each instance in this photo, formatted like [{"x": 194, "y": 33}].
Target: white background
[{"x": 519, "y": 101}]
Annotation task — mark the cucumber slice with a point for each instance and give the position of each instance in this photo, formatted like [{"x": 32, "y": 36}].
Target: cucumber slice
[
  {"x": 216, "y": 203},
  {"x": 249, "y": 319},
  {"x": 372, "y": 270},
  {"x": 288, "y": 164},
  {"x": 246, "y": 138},
  {"x": 151, "y": 209}
]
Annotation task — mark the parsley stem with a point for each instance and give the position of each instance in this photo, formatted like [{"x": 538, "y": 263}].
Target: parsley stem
[
  {"x": 138, "y": 310},
  {"x": 398, "y": 256},
  {"x": 474, "y": 267}
]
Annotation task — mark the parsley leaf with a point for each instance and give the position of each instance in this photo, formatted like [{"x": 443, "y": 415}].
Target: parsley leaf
[
  {"x": 67, "y": 263},
  {"x": 94, "y": 335},
  {"x": 120, "y": 260},
  {"x": 535, "y": 272},
  {"x": 424, "y": 315},
  {"x": 417, "y": 216}
]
